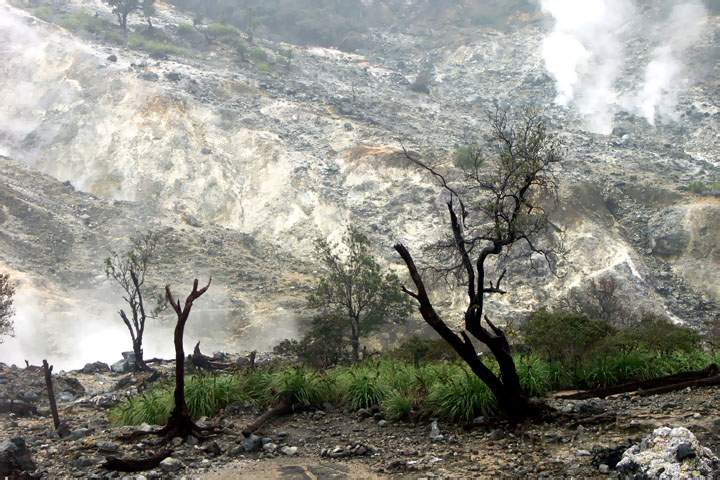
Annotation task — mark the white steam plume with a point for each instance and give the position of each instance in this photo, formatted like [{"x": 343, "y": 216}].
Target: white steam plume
[
  {"x": 586, "y": 54},
  {"x": 664, "y": 74}
]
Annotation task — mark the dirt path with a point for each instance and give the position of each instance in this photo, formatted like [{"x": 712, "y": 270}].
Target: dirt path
[{"x": 293, "y": 469}]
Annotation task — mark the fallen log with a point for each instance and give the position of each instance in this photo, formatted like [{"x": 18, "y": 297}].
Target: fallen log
[
  {"x": 135, "y": 464},
  {"x": 701, "y": 382},
  {"x": 200, "y": 360},
  {"x": 283, "y": 407},
  {"x": 670, "y": 381}
]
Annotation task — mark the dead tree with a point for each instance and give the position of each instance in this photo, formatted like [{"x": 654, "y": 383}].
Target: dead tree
[
  {"x": 493, "y": 205},
  {"x": 47, "y": 369},
  {"x": 128, "y": 270},
  {"x": 180, "y": 424}
]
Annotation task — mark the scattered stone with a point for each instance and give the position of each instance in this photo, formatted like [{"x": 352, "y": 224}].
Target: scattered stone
[
  {"x": 253, "y": 443},
  {"x": 269, "y": 447},
  {"x": 435, "y": 431},
  {"x": 289, "y": 451}
]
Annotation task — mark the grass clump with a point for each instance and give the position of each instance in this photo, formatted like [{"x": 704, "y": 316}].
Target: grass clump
[
  {"x": 461, "y": 397},
  {"x": 304, "y": 387},
  {"x": 155, "y": 46}
]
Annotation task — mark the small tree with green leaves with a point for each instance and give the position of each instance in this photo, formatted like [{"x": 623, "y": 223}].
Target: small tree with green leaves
[
  {"x": 129, "y": 270},
  {"x": 355, "y": 288},
  {"x": 7, "y": 311},
  {"x": 123, "y": 8}
]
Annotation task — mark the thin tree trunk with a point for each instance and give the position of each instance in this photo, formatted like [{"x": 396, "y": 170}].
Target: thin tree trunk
[{"x": 51, "y": 393}]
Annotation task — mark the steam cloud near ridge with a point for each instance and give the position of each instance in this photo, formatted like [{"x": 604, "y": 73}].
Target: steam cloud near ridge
[{"x": 586, "y": 55}]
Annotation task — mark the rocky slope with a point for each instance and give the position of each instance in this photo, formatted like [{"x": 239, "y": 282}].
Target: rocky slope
[{"x": 246, "y": 163}]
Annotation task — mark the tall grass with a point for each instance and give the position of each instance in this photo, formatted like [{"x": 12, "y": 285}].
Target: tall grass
[{"x": 400, "y": 388}]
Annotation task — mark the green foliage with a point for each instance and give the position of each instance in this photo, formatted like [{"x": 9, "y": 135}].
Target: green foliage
[
  {"x": 259, "y": 55},
  {"x": 154, "y": 46},
  {"x": 354, "y": 287},
  {"x": 324, "y": 344},
  {"x": 653, "y": 333},
  {"x": 462, "y": 397},
  {"x": 185, "y": 29},
  {"x": 398, "y": 405},
  {"x": 402, "y": 390},
  {"x": 416, "y": 349},
  {"x": 222, "y": 31},
  {"x": 563, "y": 336},
  {"x": 701, "y": 188},
  {"x": 362, "y": 388},
  {"x": 304, "y": 387},
  {"x": 467, "y": 157}
]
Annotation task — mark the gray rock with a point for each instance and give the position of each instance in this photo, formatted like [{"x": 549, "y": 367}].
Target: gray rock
[
  {"x": 657, "y": 457},
  {"x": 15, "y": 457},
  {"x": 95, "y": 367},
  {"x": 252, "y": 443},
  {"x": 171, "y": 464},
  {"x": 112, "y": 58},
  {"x": 79, "y": 433}
]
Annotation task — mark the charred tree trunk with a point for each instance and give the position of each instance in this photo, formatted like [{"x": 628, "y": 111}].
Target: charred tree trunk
[
  {"x": 51, "y": 394},
  {"x": 355, "y": 340},
  {"x": 180, "y": 424},
  {"x": 140, "y": 365}
]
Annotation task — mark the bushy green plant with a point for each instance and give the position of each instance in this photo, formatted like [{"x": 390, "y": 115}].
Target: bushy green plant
[
  {"x": 563, "y": 336},
  {"x": 221, "y": 31},
  {"x": 417, "y": 349},
  {"x": 461, "y": 397},
  {"x": 362, "y": 388},
  {"x": 185, "y": 29},
  {"x": 467, "y": 157},
  {"x": 398, "y": 405},
  {"x": 653, "y": 333},
  {"x": 155, "y": 46},
  {"x": 301, "y": 386}
]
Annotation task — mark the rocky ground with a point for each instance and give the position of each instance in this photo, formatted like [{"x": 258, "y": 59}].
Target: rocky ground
[{"x": 586, "y": 439}]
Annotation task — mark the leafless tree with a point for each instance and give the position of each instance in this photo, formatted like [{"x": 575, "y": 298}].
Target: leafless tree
[
  {"x": 129, "y": 270},
  {"x": 493, "y": 205},
  {"x": 7, "y": 311},
  {"x": 601, "y": 300},
  {"x": 180, "y": 424}
]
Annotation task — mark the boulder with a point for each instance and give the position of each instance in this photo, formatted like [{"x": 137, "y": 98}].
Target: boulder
[
  {"x": 15, "y": 458},
  {"x": 95, "y": 367},
  {"x": 125, "y": 365},
  {"x": 668, "y": 454}
]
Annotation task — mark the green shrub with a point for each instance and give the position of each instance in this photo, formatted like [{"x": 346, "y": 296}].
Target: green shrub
[
  {"x": 467, "y": 157},
  {"x": 416, "y": 349},
  {"x": 221, "y": 31},
  {"x": 155, "y": 47},
  {"x": 561, "y": 336},
  {"x": 461, "y": 397},
  {"x": 205, "y": 395},
  {"x": 259, "y": 55},
  {"x": 362, "y": 388},
  {"x": 653, "y": 333},
  {"x": 398, "y": 405},
  {"x": 185, "y": 29},
  {"x": 303, "y": 387}
]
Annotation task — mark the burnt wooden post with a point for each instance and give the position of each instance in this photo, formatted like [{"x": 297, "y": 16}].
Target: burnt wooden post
[{"x": 51, "y": 393}]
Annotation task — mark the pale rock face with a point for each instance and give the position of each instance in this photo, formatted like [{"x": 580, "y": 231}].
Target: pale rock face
[
  {"x": 247, "y": 169},
  {"x": 668, "y": 454}
]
